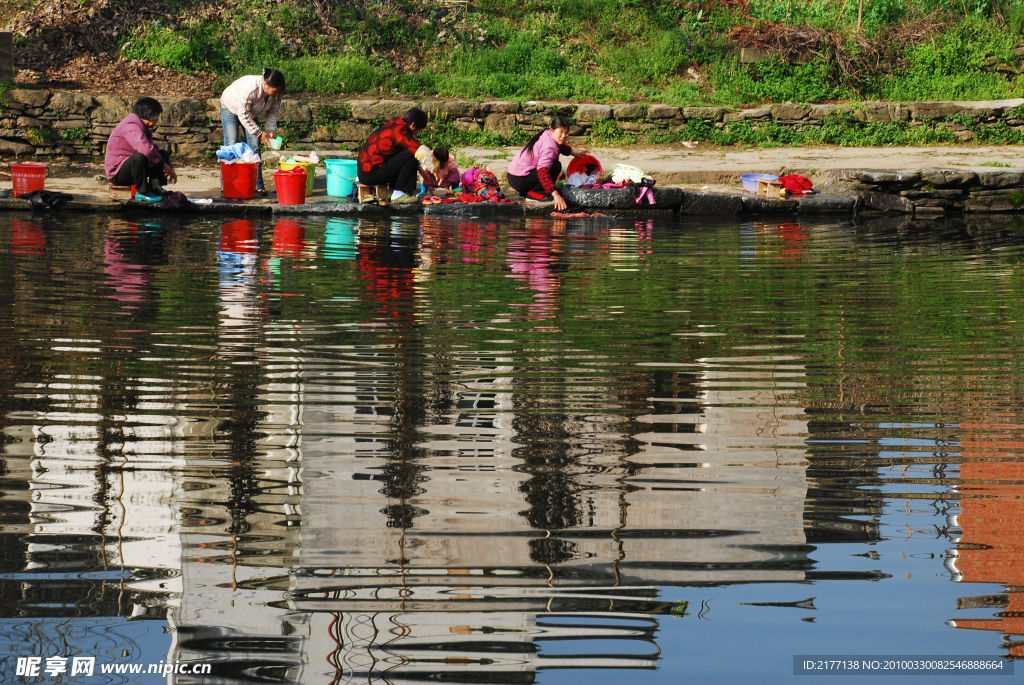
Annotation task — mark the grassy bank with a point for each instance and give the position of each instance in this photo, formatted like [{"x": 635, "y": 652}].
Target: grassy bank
[{"x": 603, "y": 50}]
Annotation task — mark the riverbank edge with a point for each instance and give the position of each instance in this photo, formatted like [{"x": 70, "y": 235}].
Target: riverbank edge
[
  {"x": 926, "y": 193},
  {"x": 77, "y": 125}
]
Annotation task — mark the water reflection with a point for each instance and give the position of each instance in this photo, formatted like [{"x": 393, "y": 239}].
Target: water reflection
[{"x": 396, "y": 450}]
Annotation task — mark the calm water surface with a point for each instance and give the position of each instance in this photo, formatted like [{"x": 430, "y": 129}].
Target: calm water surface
[{"x": 523, "y": 451}]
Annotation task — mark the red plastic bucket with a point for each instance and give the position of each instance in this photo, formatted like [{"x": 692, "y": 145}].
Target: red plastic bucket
[
  {"x": 578, "y": 163},
  {"x": 239, "y": 180},
  {"x": 291, "y": 187},
  {"x": 27, "y": 177}
]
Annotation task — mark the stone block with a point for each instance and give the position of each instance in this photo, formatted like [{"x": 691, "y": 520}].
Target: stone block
[
  {"x": 591, "y": 113},
  {"x": 886, "y": 202},
  {"x": 824, "y": 203},
  {"x": 765, "y": 205},
  {"x": 877, "y": 176},
  {"x": 662, "y": 112},
  {"x": 500, "y": 107},
  {"x": 390, "y": 109},
  {"x": 110, "y": 109},
  {"x": 1006, "y": 201},
  {"x": 70, "y": 103},
  {"x": 532, "y": 119},
  {"x": 181, "y": 111},
  {"x": 469, "y": 126},
  {"x": 454, "y": 109},
  {"x": 629, "y": 112},
  {"x": 502, "y": 124},
  {"x": 705, "y": 113},
  {"x": 948, "y": 178},
  {"x": 633, "y": 126},
  {"x": 819, "y": 112},
  {"x": 1000, "y": 179},
  {"x": 710, "y": 204},
  {"x": 30, "y": 122},
  {"x": 751, "y": 55},
  {"x": 733, "y": 117},
  {"x": 293, "y": 110},
  {"x": 212, "y": 106},
  {"x": 347, "y": 131},
  {"x": 929, "y": 212},
  {"x": 618, "y": 198},
  {"x": 188, "y": 138},
  {"x": 15, "y": 147},
  {"x": 192, "y": 150},
  {"x": 873, "y": 111},
  {"x": 64, "y": 124},
  {"x": 361, "y": 109},
  {"x": 32, "y": 98},
  {"x": 789, "y": 111},
  {"x": 6, "y": 57},
  {"x": 940, "y": 194}
]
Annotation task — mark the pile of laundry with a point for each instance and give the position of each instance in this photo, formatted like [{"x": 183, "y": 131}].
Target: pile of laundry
[
  {"x": 481, "y": 183},
  {"x": 639, "y": 185},
  {"x": 796, "y": 185},
  {"x": 239, "y": 152},
  {"x": 311, "y": 158}
]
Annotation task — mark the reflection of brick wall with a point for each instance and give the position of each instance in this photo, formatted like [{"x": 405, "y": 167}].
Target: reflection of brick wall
[{"x": 6, "y": 56}]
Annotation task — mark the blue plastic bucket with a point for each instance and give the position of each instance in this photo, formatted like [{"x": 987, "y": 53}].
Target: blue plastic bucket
[{"x": 340, "y": 173}]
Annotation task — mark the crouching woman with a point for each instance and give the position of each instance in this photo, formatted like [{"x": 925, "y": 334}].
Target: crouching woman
[
  {"x": 389, "y": 156},
  {"x": 535, "y": 168},
  {"x": 132, "y": 158}
]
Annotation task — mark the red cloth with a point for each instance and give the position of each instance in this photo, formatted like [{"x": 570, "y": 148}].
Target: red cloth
[
  {"x": 795, "y": 184},
  {"x": 464, "y": 197},
  {"x": 386, "y": 142}
]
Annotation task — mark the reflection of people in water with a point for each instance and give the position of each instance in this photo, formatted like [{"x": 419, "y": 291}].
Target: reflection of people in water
[
  {"x": 534, "y": 257},
  {"x": 130, "y": 251},
  {"x": 990, "y": 550}
]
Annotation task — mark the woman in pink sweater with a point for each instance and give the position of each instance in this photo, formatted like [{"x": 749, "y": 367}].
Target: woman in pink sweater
[{"x": 535, "y": 168}]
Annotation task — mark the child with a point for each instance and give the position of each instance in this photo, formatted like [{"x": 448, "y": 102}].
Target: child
[{"x": 444, "y": 174}]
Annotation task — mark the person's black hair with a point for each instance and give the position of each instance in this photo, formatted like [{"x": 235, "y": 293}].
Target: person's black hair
[
  {"x": 274, "y": 78},
  {"x": 416, "y": 117},
  {"x": 557, "y": 122},
  {"x": 148, "y": 109},
  {"x": 441, "y": 155}
]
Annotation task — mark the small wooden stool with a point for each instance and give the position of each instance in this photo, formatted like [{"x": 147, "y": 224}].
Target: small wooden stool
[
  {"x": 119, "y": 193},
  {"x": 372, "y": 193},
  {"x": 769, "y": 189}
]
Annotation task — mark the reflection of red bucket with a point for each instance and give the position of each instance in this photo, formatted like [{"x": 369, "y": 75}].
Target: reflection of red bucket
[
  {"x": 239, "y": 180},
  {"x": 27, "y": 237},
  {"x": 578, "y": 164},
  {"x": 238, "y": 236},
  {"x": 291, "y": 187},
  {"x": 289, "y": 236},
  {"x": 28, "y": 178}
]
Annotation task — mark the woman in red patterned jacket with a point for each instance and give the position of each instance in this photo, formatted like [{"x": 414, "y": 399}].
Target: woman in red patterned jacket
[{"x": 389, "y": 156}]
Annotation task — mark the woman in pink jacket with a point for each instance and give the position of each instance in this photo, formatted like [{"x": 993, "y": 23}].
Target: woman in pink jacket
[
  {"x": 133, "y": 159},
  {"x": 535, "y": 168}
]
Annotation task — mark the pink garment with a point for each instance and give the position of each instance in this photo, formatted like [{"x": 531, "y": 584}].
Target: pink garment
[
  {"x": 450, "y": 176},
  {"x": 127, "y": 138},
  {"x": 544, "y": 155}
]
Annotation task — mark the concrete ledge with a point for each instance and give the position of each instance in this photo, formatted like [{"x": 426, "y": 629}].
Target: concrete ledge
[{"x": 619, "y": 198}]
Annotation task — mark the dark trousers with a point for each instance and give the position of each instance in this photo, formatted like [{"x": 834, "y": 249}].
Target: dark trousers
[
  {"x": 530, "y": 182},
  {"x": 136, "y": 171},
  {"x": 401, "y": 172}
]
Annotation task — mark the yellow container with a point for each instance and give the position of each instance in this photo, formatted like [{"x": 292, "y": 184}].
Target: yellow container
[{"x": 308, "y": 167}]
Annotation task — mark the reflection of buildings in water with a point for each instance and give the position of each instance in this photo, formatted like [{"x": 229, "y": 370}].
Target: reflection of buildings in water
[{"x": 990, "y": 548}]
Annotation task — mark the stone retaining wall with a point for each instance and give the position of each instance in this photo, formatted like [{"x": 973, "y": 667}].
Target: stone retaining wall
[
  {"x": 40, "y": 122},
  {"x": 928, "y": 192}
]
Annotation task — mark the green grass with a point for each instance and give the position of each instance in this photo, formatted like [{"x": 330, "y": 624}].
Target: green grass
[
  {"x": 586, "y": 50},
  {"x": 1002, "y": 165}
]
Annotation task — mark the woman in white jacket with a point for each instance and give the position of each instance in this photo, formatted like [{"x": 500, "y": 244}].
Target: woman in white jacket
[{"x": 243, "y": 102}]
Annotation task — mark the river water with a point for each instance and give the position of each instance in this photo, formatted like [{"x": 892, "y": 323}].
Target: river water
[{"x": 518, "y": 451}]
